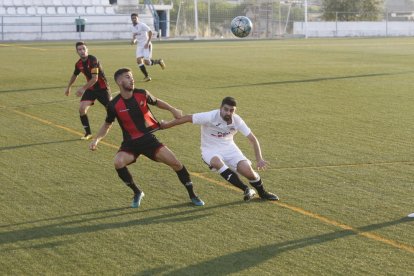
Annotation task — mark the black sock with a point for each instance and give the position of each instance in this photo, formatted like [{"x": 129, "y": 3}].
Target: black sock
[
  {"x": 124, "y": 174},
  {"x": 155, "y": 61},
  {"x": 143, "y": 70},
  {"x": 234, "y": 179},
  {"x": 258, "y": 185},
  {"x": 85, "y": 123},
  {"x": 184, "y": 177}
]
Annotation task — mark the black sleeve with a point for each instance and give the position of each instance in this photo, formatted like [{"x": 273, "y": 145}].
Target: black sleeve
[
  {"x": 150, "y": 98},
  {"x": 110, "y": 113},
  {"x": 76, "y": 71}
]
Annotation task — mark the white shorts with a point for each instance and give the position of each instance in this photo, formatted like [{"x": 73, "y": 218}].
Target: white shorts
[
  {"x": 142, "y": 52},
  {"x": 231, "y": 156}
]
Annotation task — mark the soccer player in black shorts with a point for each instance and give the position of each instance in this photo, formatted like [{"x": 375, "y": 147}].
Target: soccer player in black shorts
[
  {"x": 96, "y": 87},
  {"x": 131, "y": 108}
]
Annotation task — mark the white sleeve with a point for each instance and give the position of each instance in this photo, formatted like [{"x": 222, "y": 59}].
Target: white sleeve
[
  {"x": 202, "y": 118},
  {"x": 242, "y": 127},
  {"x": 145, "y": 27}
]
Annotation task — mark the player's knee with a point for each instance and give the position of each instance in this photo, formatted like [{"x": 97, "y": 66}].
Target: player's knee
[
  {"x": 119, "y": 163},
  {"x": 245, "y": 169},
  {"x": 82, "y": 111},
  {"x": 216, "y": 163},
  {"x": 147, "y": 62}
]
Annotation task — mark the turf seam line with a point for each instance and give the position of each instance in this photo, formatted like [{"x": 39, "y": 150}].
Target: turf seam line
[
  {"x": 342, "y": 165},
  {"x": 22, "y": 47}
]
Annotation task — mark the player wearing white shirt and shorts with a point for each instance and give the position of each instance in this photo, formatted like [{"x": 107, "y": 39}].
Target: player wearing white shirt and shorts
[
  {"x": 142, "y": 35},
  {"x": 221, "y": 153},
  {"x": 216, "y": 133}
]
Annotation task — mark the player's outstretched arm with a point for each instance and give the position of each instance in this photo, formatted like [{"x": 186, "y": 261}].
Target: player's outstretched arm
[
  {"x": 184, "y": 119},
  {"x": 134, "y": 39},
  {"x": 177, "y": 113},
  {"x": 103, "y": 131},
  {"x": 71, "y": 81},
  {"x": 261, "y": 163},
  {"x": 149, "y": 39}
]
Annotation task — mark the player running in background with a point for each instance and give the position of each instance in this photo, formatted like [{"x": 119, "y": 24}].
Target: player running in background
[
  {"x": 95, "y": 88},
  {"x": 131, "y": 109},
  {"x": 219, "y": 150},
  {"x": 142, "y": 35}
]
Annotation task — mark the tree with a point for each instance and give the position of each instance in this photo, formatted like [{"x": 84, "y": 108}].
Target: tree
[{"x": 352, "y": 10}]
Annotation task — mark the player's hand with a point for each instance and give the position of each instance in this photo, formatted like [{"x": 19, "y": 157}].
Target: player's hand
[
  {"x": 67, "y": 92},
  {"x": 163, "y": 124},
  {"x": 262, "y": 164},
  {"x": 80, "y": 92},
  {"x": 177, "y": 113},
  {"x": 93, "y": 145}
]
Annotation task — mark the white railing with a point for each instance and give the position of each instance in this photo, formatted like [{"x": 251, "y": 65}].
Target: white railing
[{"x": 66, "y": 27}]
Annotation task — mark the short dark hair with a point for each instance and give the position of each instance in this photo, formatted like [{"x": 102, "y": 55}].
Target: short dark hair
[
  {"x": 229, "y": 101},
  {"x": 79, "y": 43},
  {"x": 134, "y": 14},
  {"x": 120, "y": 72}
]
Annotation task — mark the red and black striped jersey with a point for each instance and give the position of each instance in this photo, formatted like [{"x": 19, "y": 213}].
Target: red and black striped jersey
[
  {"x": 133, "y": 114},
  {"x": 91, "y": 66}
]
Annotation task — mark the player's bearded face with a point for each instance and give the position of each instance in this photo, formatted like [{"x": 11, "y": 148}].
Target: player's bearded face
[
  {"x": 226, "y": 112},
  {"x": 127, "y": 81}
]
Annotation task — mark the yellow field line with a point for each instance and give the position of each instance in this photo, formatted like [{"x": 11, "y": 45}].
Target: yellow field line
[
  {"x": 366, "y": 234},
  {"x": 323, "y": 219},
  {"x": 369, "y": 235},
  {"x": 46, "y": 122}
]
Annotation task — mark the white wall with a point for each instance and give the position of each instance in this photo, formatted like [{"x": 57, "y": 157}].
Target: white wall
[
  {"x": 64, "y": 28},
  {"x": 349, "y": 29}
]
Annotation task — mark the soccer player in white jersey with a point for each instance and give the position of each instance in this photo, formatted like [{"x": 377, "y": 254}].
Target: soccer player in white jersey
[
  {"x": 219, "y": 150},
  {"x": 142, "y": 35}
]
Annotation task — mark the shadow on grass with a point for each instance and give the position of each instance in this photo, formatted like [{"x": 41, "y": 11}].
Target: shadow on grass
[
  {"x": 67, "y": 216},
  {"x": 314, "y": 80},
  {"x": 72, "y": 226},
  {"x": 37, "y": 144},
  {"x": 238, "y": 261},
  {"x": 46, "y": 245}
]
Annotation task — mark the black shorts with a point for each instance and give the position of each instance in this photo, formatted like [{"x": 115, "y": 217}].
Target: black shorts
[
  {"x": 147, "y": 145},
  {"x": 102, "y": 95}
]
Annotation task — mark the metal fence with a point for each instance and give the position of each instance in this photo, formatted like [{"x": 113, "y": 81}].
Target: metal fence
[{"x": 211, "y": 19}]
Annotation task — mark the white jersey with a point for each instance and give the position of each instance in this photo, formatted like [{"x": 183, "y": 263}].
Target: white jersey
[
  {"x": 141, "y": 30},
  {"x": 215, "y": 132}
]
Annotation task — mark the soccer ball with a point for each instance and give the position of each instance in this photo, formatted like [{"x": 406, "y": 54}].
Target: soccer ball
[{"x": 241, "y": 26}]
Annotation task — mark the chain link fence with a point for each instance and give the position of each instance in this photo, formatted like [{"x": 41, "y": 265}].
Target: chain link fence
[{"x": 211, "y": 18}]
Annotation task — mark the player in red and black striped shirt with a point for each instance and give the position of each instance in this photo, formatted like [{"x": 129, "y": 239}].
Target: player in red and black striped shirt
[
  {"x": 131, "y": 109},
  {"x": 96, "y": 87}
]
